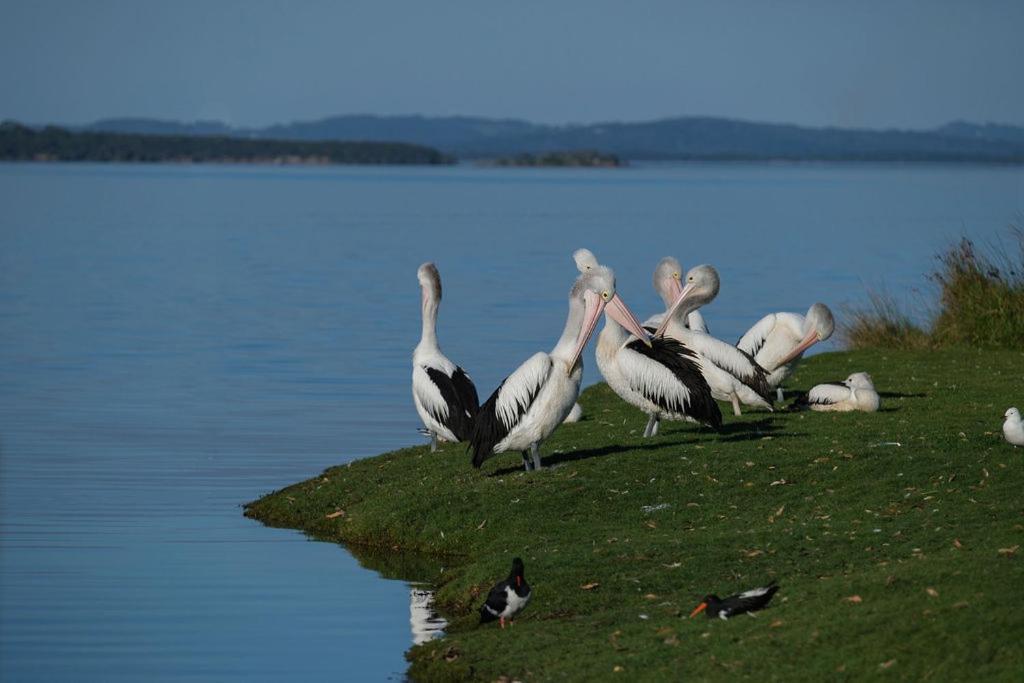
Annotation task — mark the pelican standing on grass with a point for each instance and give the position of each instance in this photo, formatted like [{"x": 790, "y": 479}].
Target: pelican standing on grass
[
  {"x": 531, "y": 402},
  {"x": 731, "y": 374},
  {"x": 778, "y": 340},
  {"x": 443, "y": 393}
]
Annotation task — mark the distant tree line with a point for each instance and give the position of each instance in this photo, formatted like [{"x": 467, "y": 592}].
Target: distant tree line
[
  {"x": 22, "y": 143},
  {"x": 585, "y": 157}
]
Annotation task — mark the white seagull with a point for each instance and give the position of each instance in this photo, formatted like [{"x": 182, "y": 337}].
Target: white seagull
[
  {"x": 531, "y": 402},
  {"x": 856, "y": 392},
  {"x": 443, "y": 393},
  {"x": 732, "y": 374},
  {"x": 778, "y": 340},
  {"x": 1013, "y": 427}
]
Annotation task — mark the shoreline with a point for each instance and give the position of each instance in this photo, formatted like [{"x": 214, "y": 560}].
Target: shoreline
[{"x": 794, "y": 497}]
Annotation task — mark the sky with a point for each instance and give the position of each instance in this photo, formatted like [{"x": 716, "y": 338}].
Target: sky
[{"x": 896, "y": 64}]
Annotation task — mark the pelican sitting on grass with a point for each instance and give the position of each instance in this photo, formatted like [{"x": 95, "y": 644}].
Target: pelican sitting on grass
[
  {"x": 856, "y": 392},
  {"x": 444, "y": 394},
  {"x": 531, "y": 402}
]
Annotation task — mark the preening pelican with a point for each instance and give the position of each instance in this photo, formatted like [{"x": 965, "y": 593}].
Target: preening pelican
[
  {"x": 443, "y": 393},
  {"x": 661, "y": 376},
  {"x": 666, "y": 283},
  {"x": 1013, "y": 427},
  {"x": 731, "y": 374},
  {"x": 531, "y": 402},
  {"x": 856, "y": 392},
  {"x": 778, "y": 340}
]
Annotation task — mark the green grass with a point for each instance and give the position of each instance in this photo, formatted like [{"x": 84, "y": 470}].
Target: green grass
[
  {"x": 809, "y": 499},
  {"x": 980, "y": 303}
]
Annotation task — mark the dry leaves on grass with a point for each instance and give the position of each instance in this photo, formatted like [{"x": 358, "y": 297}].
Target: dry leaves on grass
[
  {"x": 1009, "y": 552},
  {"x": 336, "y": 514},
  {"x": 854, "y": 599},
  {"x": 590, "y": 586},
  {"x": 932, "y": 592}
]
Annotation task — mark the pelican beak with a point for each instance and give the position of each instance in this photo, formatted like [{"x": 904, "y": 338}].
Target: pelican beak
[
  {"x": 593, "y": 308},
  {"x": 809, "y": 340},
  {"x": 700, "y": 608},
  {"x": 680, "y": 298},
  {"x": 620, "y": 313}
]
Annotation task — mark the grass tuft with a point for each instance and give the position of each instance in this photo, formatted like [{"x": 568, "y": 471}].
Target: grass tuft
[{"x": 980, "y": 297}]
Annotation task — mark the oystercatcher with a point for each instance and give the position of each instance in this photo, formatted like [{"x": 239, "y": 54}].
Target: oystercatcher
[
  {"x": 508, "y": 598},
  {"x": 748, "y": 601}
]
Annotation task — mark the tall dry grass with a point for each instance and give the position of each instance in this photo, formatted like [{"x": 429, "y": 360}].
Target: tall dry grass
[{"x": 980, "y": 304}]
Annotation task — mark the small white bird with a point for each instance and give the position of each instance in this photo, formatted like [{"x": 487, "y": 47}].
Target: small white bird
[
  {"x": 856, "y": 392},
  {"x": 1013, "y": 427}
]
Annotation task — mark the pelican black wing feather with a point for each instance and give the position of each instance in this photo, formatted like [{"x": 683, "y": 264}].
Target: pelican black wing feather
[
  {"x": 681, "y": 362},
  {"x": 459, "y": 395}
]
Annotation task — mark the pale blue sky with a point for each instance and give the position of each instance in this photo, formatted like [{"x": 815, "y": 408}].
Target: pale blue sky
[{"x": 255, "y": 62}]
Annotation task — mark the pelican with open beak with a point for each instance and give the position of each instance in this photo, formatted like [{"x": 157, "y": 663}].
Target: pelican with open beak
[{"x": 531, "y": 402}]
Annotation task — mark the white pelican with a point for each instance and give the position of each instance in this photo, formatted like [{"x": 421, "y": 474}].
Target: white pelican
[
  {"x": 732, "y": 374},
  {"x": 856, "y": 392},
  {"x": 1013, "y": 427},
  {"x": 661, "y": 377},
  {"x": 443, "y": 393},
  {"x": 778, "y": 340},
  {"x": 666, "y": 283},
  {"x": 531, "y": 402}
]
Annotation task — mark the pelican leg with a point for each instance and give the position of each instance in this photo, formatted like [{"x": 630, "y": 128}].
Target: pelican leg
[
  {"x": 433, "y": 442},
  {"x": 535, "y": 450},
  {"x": 780, "y": 395},
  {"x": 652, "y": 423},
  {"x": 736, "y": 405},
  {"x": 526, "y": 460},
  {"x": 657, "y": 422}
]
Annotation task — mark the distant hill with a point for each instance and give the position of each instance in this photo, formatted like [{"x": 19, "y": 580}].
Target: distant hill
[
  {"x": 674, "y": 138},
  {"x": 22, "y": 143}
]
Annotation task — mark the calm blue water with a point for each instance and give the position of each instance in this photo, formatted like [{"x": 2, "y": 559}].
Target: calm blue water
[{"x": 175, "y": 341}]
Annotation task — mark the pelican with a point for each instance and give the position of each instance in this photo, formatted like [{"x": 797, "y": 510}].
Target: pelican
[
  {"x": 531, "y": 402},
  {"x": 731, "y": 374},
  {"x": 443, "y": 393},
  {"x": 856, "y": 392},
  {"x": 666, "y": 284},
  {"x": 1013, "y": 428},
  {"x": 778, "y": 340},
  {"x": 661, "y": 377}
]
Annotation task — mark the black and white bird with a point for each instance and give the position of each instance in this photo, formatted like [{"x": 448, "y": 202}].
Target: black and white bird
[
  {"x": 732, "y": 374},
  {"x": 444, "y": 394},
  {"x": 531, "y": 402},
  {"x": 508, "y": 598},
  {"x": 778, "y": 340},
  {"x": 1013, "y": 427},
  {"x": 747, "y": 601},
  {"x": 856, "y": 392},
  {"x": 660, "y": 376}
]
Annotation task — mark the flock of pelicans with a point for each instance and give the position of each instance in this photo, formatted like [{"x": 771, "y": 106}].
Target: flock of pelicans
[{"x": 670, "y": 367}]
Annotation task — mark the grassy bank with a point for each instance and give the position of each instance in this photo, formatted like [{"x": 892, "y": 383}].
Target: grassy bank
[{"x": 901, "y": 560}]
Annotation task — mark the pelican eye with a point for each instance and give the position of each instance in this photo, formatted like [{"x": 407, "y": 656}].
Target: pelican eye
[
  {"x": 605, "y": 295},
  {"x": 675, "y": 275}
]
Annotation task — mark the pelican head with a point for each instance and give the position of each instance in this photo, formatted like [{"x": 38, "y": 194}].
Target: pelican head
[
  {"x": 859, "y": 380},
  {"x": 1012, "y": 414},
  {"x": 585, "y": 260},
  {"x": 430, "y": 283},
  {"x": 818, "y": 326},
  {"x": 700, "y": 287},
  {"x": 596, "y": 288},
  {"x": 668, "y": 277}
]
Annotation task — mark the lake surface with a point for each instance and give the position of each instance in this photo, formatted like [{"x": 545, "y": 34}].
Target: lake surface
[{"x": 176, "y": 341}]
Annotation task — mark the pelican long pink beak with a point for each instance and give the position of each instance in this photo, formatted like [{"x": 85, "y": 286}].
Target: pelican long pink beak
[
  {"x": 809, "y": 340},
  {"x": 620, "y": 313},
  {"x": 593, "y": 308},
  {"x": 684, "y": 292}
]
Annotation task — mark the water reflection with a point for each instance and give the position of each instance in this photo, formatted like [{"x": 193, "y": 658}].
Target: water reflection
[{"x": 426, "y": 624}]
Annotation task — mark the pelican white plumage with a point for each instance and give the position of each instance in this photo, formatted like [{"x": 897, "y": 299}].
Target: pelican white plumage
[
  {"x": 661, "y": 377},
  {"x": 667, "y": 275},
  {"x": 856, "y": 392},
  {"x": 778, "y": 340},
  {"x": 731, "y": 374},
  {"x": 444, "y": 394},
  {"x": 1013, "y": 427},
  {"x": 531, "y": 402}
]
